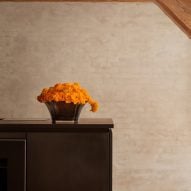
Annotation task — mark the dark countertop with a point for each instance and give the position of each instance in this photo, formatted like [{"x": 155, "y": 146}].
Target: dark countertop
[{"x": 30, "y": 125}]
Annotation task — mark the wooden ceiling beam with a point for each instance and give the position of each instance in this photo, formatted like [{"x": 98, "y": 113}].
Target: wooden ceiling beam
[{"x": 179, "y": 11}]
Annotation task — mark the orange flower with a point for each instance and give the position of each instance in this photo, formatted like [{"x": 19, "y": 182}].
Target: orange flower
[{"x": 68, "y": 92}]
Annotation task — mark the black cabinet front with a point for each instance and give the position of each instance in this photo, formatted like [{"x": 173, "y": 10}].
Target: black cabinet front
[
  {"x": 12, "y": 165},
  {"x": 69, "y": 161}
]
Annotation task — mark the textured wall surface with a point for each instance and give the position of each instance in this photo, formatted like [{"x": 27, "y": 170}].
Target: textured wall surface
[{"x": 131, "y": 58}]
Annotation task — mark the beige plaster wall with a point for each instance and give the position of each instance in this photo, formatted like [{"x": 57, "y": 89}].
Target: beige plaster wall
[{"x": 131, "y": 58}]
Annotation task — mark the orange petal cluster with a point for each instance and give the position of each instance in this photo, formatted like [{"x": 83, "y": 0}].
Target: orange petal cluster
[{"x": 68, "y": 92}]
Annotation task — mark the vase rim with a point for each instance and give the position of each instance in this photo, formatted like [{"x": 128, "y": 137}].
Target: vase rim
[{"x": 64, "y": 102}]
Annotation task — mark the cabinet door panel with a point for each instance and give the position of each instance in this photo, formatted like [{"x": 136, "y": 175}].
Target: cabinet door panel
[
  {"x": 68, "y": 161},
  {"x": 12, "y": 165}
]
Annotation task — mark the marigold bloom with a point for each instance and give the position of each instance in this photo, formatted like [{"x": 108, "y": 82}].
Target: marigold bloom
[{"x": 68, "y": 92}]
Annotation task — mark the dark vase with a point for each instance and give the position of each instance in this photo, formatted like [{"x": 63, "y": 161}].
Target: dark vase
[{"x": 62, "y": 111}]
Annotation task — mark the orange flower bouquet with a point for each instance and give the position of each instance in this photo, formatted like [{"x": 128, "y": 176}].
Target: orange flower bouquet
[{"x": 65, "y": 101}]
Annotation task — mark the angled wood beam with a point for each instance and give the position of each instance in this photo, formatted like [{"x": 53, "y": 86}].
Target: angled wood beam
[{"x": 179, "y": 11}]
